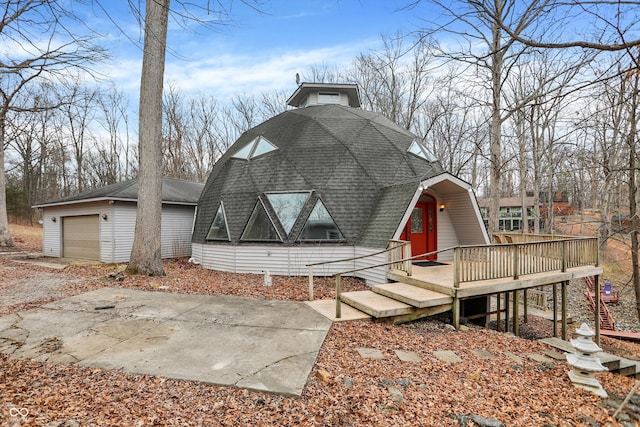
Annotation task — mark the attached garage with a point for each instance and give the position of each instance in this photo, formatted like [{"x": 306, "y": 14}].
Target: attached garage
[
  {"x": 81, "y": 237},
  {"x": 100, "y": 224}
]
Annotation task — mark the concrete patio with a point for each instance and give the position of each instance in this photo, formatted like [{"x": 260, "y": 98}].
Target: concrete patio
[{"x": 250, "y": 343}]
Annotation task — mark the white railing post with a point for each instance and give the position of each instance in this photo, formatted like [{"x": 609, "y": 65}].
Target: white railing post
[
  {"x": 457, "y": 265},
  {"x": 338, "y": 292},
  {"x": 311, "y": 283}
]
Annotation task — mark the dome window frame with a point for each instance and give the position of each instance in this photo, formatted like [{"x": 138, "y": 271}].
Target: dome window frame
[{"x": 257, "y": 147}]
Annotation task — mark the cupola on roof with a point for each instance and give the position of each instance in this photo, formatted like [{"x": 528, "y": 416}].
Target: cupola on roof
[{"x": 309, "y": 94}]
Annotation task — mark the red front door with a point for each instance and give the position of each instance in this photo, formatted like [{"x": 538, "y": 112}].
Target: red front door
[{"x": 421, "y": 230}]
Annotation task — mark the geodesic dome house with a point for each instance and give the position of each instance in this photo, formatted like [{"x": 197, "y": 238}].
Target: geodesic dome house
[{"x": 321, "y": 182}]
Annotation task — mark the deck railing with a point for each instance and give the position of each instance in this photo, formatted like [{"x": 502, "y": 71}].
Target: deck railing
[
  {"x": 396, "y": 250},
  {"x": 484, "y": 262},
  {"x": 400, "y": 255}
]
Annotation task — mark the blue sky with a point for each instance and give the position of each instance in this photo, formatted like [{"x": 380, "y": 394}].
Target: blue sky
[{"x": 258, "y": 51}]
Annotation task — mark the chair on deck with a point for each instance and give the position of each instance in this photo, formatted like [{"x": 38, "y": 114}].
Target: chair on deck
[{"x": 608, "y": 294}]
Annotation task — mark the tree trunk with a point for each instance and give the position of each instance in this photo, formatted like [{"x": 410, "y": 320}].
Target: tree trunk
[
  {"x": 633, "y": 189},
  {"x": 146, "y": 254},
  {"x": 496, "y": 129},
  {"x": 5, "y": 236}
]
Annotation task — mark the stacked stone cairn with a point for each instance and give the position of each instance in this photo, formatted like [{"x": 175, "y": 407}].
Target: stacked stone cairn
[{"x": 584, "y": 362}]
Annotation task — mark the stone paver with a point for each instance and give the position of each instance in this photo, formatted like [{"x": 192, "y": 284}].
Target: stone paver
[
  {"x": 447, "y": 356},
  {"x": 370, "y": 353},
  {"x": 408, "y": 356},
  {"x": 539, "y": 357},
  {"x": 555, "y": 355},
  {"x": 483, "y": 354},
  {"x": 513, "y": 357}
]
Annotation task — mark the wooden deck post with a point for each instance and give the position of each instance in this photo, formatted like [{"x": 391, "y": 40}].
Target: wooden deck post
[
  {"x": 456, "y": 312},
  {"x": 311, "y": 283},
  {"x": 457, "y": 260},
  {"x": 506, "y": 311},
  {"x": 516, "y": 314},
  {"x": 563, "y": 295},
  {"x": 555, "y": 311},
  {"x": 338, "y": 292},
  {"x": 596, "y": 289},
  {"x": 498, "y": 312},
  {"x": 526, "y": 305}
]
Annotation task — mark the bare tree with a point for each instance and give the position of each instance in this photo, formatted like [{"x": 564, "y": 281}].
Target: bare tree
[
  {"x": 146, "y": 253},
  {"x": 397, "y": 80},
  {"x": 174, "y": 135},
  {"x": 114, "y": 158},
  {"x": 46, "y": 49}
]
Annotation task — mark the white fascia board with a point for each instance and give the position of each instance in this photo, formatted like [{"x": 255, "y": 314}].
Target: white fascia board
[
  {"x": 407, "y": 214},
  {"x": 106, "y": 199}
]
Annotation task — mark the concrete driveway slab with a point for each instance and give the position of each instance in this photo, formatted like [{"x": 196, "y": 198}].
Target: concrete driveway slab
[{"x": 238, "y": 341}]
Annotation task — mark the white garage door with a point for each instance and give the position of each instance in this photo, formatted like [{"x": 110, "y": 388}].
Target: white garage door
[{"x": 81, "y": 237}]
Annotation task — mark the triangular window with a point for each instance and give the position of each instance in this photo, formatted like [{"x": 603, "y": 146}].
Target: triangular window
[
  {"x": 257, "y": 147},
  {"x": 420, "y": 151},
  {"x": 287, "y": 207},
  {"x": 262, "y": 146},
  {"x": 219, "y": 230},
  {"x": 260, "y": 226},
  {"x": 244, "y": 152},
  {"x": 320, "y": 225}
]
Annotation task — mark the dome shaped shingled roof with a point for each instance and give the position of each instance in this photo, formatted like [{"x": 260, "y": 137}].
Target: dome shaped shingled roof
[{"x": 353, "y": 160}]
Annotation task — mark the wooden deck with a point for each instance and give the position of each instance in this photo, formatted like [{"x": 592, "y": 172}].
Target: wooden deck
[
  {"x": 476, "y": 271},
  {"x": 441, "y": 279}
]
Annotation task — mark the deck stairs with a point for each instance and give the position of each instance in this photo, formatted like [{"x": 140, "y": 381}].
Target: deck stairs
[
  {"x": 398, "y": 302},
  {"x": 607, "y": 323}
]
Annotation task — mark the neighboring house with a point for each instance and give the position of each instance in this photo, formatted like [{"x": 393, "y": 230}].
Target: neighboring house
[
  {"x": 511, "y": 218},
  {"x": 99, "y": 224},
  {"x": 328, "y": 181}
]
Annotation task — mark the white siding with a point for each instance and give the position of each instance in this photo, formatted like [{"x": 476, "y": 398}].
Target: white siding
[
  {"x": 256, "y": 259},
  {"x": 117, "y": 231},
  {"x": 288, "y": 261},
  {"x": 464, "y": 215},
  {"x": 124, "y": 222},
  {"x": 51, "y": 233},
  {"x": 374, "y": 276},
  {"x": 301, "y": 256},
  {"x": 447, "y": 236},
  {"x": 177, "y": 226}
]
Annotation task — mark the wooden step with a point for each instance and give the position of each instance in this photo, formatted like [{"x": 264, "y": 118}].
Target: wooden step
[
  {"x": 610, "y": 361},
  {"x": 412, "y": 295},
  {"x": 375, "y": 304},
  {"x": 628, "y": 368}
]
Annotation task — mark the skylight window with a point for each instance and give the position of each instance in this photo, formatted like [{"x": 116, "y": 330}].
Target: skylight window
[
  {"x": 320, "y": 225},
  {"x": 257, "y": 147},
  {"x": 219, "y": 230},
  {"x": 421, "y": 151},
  {"x": 260, "y": 226},
  {"x": 287, "y": 207}
]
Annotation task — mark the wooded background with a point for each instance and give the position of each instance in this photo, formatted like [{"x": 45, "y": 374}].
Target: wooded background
[{"x": 519, "y": 103}]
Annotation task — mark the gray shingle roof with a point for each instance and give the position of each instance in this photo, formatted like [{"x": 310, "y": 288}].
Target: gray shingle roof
[
  {"x": 355, "y": 161},
  {"x": 174, "y": 191}
]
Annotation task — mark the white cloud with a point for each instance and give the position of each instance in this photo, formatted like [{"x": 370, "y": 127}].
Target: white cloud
[{"x": 226, "y": 75}]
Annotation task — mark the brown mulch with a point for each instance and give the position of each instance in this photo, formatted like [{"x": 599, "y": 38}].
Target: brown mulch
[{"x": 344, "y": 389}]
